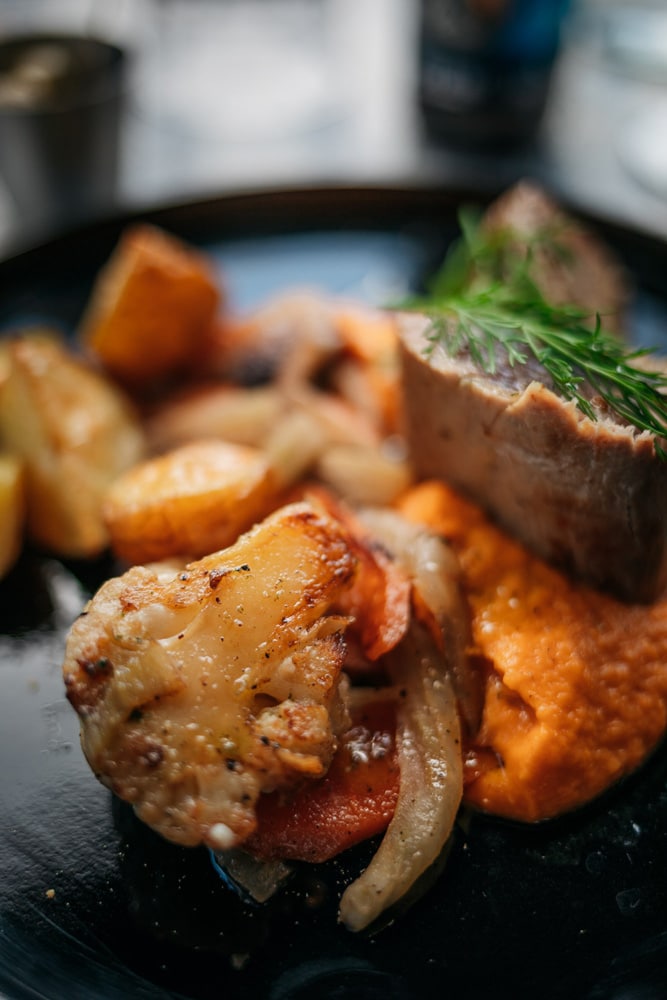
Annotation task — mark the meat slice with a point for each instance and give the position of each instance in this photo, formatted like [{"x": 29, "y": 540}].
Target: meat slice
[
  {"x": 568, "y": 262},
  {"x": 587, "y": 495}
]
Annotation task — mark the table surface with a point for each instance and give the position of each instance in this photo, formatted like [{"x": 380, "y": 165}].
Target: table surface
[{"x": 598, "y": 147}]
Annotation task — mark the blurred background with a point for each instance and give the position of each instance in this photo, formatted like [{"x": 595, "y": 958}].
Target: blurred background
[{"x": 197, "y": 97}]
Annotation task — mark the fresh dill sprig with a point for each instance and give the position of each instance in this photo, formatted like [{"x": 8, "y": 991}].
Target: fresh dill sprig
[{"x": 484, "y": 302}]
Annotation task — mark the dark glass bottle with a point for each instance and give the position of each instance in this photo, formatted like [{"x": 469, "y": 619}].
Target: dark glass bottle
[{"x": 485, "y": 67}]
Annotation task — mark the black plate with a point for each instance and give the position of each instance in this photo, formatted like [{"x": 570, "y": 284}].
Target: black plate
[{"x": 576, "y": 908}]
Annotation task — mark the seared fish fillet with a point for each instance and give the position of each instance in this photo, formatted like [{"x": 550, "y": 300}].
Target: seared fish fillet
[
  {"x": 200, "y": 688},
  {"x": 589, "y": 496}
]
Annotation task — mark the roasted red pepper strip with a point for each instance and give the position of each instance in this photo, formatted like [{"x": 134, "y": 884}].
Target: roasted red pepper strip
[{"x": 354, "y": 801}]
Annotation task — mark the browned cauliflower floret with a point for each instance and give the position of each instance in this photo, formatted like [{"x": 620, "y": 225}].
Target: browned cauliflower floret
[{"x": 200, "y": 688}]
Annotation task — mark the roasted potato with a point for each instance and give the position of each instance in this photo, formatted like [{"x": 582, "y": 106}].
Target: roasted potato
[
  {"x": 151, "y": 307},
  {"x": 12, "y": 511},
  {"x": 191, "y": 501},
  {"x": 75, "y": 432}
]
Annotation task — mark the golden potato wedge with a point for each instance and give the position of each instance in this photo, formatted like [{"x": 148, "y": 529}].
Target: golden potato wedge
[
  {"x": 4, "y": 363},
  {"x": 12, "y": 511},
  {"x": 75, "y": 432},
  {"x": 190, "y": 501},
  {"x": 151, "y": 307}
]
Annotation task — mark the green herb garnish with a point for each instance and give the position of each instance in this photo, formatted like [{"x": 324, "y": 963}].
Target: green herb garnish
[{"x": 484, "y": 301}]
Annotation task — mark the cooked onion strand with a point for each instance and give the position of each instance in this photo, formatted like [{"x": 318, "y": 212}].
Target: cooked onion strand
[{"x": 429, "y": 753}]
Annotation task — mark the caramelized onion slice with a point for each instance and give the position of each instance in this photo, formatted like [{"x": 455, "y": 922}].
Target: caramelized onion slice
[
  {"x": 434, "y": 572},
  {"x": 429, "y": 754}
]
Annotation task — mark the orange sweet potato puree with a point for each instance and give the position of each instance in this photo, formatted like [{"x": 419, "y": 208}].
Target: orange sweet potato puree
[{"x": 576, "y": 690}]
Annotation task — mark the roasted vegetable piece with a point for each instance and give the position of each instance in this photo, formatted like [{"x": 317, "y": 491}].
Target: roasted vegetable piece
[
  {"x": 12, "y": 511},
  {"x": 193, "y": 500},
  {"x": 290, "y": 337},
  {"x": 200, "y": 689},
  {"x": 368, "y": 376},
  {"x": 151, "y": 308},
  {"x": 365, "y": 475},
  {"x": 354, "y": 800},
  {"x": 379, "y": 599},
  {"x": 438, "y": 600},
  {"x": 75, "y": 432},
  {"x": 226, "y": 412},
  {"x": 431, "y": 781}
]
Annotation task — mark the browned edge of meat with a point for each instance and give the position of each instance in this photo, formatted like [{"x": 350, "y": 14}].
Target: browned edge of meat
[
  {"x": 570, "y": 265},
  {"x": 589, "y": 496}
]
